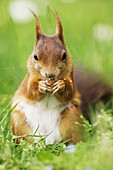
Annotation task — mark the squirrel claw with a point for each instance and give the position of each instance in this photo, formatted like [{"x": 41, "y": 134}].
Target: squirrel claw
[
  {"x": 43, "y": 87},
  {"x": 58, "y": 86}
]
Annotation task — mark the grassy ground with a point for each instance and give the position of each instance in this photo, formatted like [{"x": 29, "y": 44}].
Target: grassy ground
[{"x": 81, "y": 21}]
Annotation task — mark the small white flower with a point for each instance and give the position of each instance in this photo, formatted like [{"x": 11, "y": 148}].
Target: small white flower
[
  {"x": 70, "y": 148},
  {"x": 103, "y": 32},
  {"x": 49, "y": 167},
  {"x": 19, "y": 10}
]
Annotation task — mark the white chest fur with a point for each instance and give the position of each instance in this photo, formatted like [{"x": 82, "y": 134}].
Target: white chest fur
[{"x": 44, "y": 114}]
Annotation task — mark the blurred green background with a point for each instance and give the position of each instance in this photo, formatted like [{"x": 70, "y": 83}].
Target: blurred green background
[{"x": 88, "y": 32}]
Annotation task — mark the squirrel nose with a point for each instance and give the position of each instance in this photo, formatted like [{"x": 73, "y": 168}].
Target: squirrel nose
[{"x": 51, "y": 76}]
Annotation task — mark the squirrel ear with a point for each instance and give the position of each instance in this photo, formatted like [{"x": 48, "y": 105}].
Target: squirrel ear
[
  {"x": 59, "y": 29},
  {"x": 38, "y": 27}
]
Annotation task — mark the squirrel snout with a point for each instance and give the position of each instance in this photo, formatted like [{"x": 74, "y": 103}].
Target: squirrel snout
[{"x": 51, "y": 76}]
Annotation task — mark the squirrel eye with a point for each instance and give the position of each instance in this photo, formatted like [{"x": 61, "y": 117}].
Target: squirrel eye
[
  {"x": 64, "y": 56},
  {"x": 35, "y": 57}
]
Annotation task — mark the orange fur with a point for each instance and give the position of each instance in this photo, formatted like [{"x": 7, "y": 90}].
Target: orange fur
[
  {"x": 68, "y": 123},
  {"x": 20, "y": 126}
]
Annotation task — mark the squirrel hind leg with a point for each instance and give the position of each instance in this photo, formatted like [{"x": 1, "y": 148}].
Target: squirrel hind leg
[
  {"x": 20, "y": 126},
  {"x": 68, "y": 123}
]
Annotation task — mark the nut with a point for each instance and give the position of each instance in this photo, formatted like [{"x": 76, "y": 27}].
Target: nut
[{"x": 50, "y": 82}]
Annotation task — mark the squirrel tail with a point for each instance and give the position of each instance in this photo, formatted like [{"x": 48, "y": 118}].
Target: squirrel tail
[{"x": 92, "y": 88}]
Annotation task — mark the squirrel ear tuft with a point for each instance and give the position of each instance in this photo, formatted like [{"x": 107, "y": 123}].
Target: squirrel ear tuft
[
  {"x": 38, "y": 27},
  {"x": 59, "y": 29}
]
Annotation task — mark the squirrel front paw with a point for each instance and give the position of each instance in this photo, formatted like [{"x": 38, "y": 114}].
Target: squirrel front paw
[
  {"x": 51, "y": 86},
  {"x": 44, "y": 87},
  {"x": 58, "y": 86}
]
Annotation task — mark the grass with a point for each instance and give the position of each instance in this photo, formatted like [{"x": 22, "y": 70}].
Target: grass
[
  {"x": 79, "y": 19},
  {"x": 96, "y": 153}
]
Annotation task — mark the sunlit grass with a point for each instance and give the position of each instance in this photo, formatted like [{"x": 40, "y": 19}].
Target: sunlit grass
[{"x": 95, "y": 153}]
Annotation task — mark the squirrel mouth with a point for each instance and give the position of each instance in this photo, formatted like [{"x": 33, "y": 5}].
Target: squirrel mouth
[{"x": 49, "y": 79}]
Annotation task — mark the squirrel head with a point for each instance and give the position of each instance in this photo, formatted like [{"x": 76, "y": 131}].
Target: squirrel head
[{"x": 50, "y": 58}]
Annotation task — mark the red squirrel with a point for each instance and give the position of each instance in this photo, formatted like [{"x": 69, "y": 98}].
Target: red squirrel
[{"x": 48, "y": 98}]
